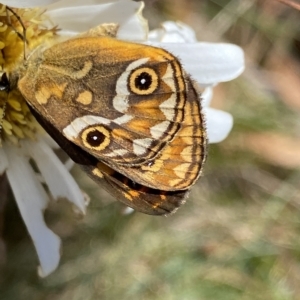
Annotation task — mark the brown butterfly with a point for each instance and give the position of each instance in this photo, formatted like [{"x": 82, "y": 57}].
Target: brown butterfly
[{"x": 128, "y": 113}]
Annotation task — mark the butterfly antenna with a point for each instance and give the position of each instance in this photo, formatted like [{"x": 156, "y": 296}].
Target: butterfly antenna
[
  {"x": 4, "y": 86},
  {"x": 21, "y": 36},
  {"x": 2, "y": 118}
]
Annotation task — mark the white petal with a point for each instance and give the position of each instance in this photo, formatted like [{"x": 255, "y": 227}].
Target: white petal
[
  {"x": 49, "y": 141},
  {"x": 135, "y": 28},
  {"x": 173, "y": 32},
  {"x": 32, "y": 200},
  {"x": 3, "y": 161},
  {"x": 208, "y": 63},
  {"x": 156, "y": 35},
  {"x": 57, "y": 177},
  {"x": 219, "y": 124},
  {"x": 77, "y": 19},
  {"x": 69, "y": 164},
  {"x": 206, "y": 96},
  {"x": 27, "y": 3},
  {"x": 128, "y": 211},
  {"x": 69, "y": 3}
]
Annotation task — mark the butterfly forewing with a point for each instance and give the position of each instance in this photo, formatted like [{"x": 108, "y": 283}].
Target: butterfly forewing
[
  {"x": 129, "y": 106},
  {"x": 127, "y": 112},
  {"x": 179, "y": 164}
]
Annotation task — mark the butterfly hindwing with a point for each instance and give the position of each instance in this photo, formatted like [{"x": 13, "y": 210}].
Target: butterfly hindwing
[{"x": 139, "y": 197}]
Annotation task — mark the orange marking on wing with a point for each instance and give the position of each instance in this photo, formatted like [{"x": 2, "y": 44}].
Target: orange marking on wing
[
  {"x": 134, "y": 193},
  {"x": 85, "y": 97},
  {"x": 45, "y": 92}
]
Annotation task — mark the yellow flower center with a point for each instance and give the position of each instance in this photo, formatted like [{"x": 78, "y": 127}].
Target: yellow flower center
[{"x": 16, "y": 121}]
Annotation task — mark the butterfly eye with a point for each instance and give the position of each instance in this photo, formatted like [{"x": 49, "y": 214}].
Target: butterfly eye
[
  {"x": 143, "y": 81},
  {"x": 96, "y": 138}
]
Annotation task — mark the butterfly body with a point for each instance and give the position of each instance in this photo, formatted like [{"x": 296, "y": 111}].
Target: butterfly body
[{"x": 128, "y": 113}]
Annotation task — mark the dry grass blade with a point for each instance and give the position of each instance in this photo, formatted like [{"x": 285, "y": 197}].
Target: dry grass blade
[{"x": 291, "y": 3}]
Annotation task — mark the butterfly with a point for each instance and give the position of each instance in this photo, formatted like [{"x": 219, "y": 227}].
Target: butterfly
[{"x": 127, "y": 113}]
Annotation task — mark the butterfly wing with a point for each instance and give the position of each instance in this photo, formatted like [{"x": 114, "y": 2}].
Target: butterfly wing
[
  {"x": 141, "y": 198},
  {"x": 119, "y": 101},
  {"x": 179, "y": 164},
  {"x": 128, "y": 105}
]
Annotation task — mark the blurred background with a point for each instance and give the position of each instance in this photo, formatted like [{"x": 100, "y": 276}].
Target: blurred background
[{"x": 238, "y": 235}]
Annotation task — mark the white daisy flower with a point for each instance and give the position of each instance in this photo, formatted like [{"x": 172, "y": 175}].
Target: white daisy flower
[{"x": 22, "y": 143}]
